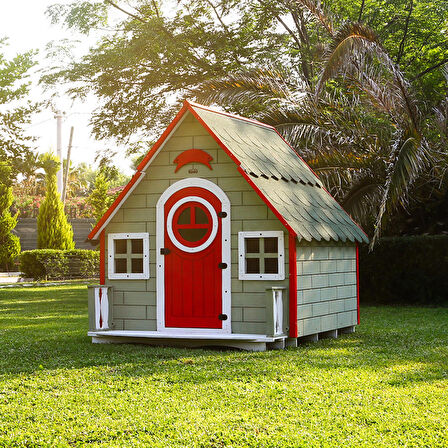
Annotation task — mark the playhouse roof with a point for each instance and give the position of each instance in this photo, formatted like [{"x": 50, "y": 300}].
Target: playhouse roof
[{"x": 278, "y": 174}]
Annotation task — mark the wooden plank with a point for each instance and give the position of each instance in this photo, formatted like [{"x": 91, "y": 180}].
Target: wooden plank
[
  {"x": 235, "y": 183},
  {"x": 134, "y": 201},
  {"x": 130, "y": 312},
  {"x": 139, "y": 325},
  {"x": 249, "y": 327},
  {"x": 135, "y": 227},
  {"x": 250, "y": 212},
  {"x": 128, "y": 285},
  {"x": 237, "y": 314},
  {"x": 254, "y": 314},
  {"x": 208, "y": 144},
  {"x": 138, "y": 298}
]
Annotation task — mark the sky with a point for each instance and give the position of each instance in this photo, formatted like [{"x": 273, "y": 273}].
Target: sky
[{"x": 25, "y": 25}]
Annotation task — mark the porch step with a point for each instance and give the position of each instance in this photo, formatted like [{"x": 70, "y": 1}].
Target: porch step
[{"x": 201, "y": 336}]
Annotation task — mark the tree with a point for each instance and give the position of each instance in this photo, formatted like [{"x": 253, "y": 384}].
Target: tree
[
  {"x": 53, "y": 229},
  {"x": 15, "y": 110},
  {"x": 9, "y": 243},
  {"x": 156, "y": 53},
  {"x": 341, "y": 95},
  {"x": 99, "y": 198},
  {"x": 362, "y": 132}
]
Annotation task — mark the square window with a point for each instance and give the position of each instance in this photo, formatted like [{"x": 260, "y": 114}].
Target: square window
[
  {"x": 128, "y": 255},
  {"x": 261, "y": 255}
]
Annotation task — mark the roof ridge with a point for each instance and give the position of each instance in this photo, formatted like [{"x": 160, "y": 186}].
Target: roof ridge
[{"x": 228, "y": 114}]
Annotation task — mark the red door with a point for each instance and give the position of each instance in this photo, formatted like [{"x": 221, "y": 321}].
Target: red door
[{"x": 193, "y": 253}]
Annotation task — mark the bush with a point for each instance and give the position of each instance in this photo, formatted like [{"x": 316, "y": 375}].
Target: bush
[
  {"x": 55, "y": 264},
  {"x": 53, "y": 229},
  {"x": 405, "y": 270}
]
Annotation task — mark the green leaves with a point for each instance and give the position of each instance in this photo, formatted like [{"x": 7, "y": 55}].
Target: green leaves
[
  {"x": 9, "y": 243},
  {"x": 15, "y": 110},
  {"x": 53, "y": 229}
]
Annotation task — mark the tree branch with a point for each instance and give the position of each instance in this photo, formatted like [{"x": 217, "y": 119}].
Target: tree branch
[
  {"x": 405, "y": 34},
  {"x": 110, "y": 2},
  {"x": 430, "y": 69},
  {"x": 361, "y": 10}
]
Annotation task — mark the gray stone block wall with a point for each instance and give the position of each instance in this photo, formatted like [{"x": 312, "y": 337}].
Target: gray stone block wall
[
  {"x": 26, "y": 230},
  {"x": 326, "y": 287}
]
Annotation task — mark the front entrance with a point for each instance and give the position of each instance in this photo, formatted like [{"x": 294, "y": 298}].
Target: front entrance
[{"x": 195, "y": 255}]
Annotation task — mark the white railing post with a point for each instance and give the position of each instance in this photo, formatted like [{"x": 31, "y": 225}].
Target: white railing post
[
  {"x": 277, "y": 308},
  {"x": 101, "y": 308}
]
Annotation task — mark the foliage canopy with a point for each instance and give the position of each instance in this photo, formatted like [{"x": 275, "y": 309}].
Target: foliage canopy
[{"x": 15, "y": 110}]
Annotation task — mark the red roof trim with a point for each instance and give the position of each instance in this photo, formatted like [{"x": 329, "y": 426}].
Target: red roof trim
[
  {"x": 267, "y": 202},
  {"x": 217, "y": 140},
  {"x": 139, "y": 172},
  {"x": 227, "y": 114},
  {"x": 292, "y": 286},
  {"x": 243, "y": 173}
]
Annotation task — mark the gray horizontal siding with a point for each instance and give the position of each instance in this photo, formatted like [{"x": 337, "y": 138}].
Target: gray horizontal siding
[{"x": 326, "y": 287}]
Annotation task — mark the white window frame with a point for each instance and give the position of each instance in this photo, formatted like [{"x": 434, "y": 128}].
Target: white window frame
[
  {"x": 169, "y": 224},
  {"x": 111, "y": 255},
  {"x": 242, "y": 275}
]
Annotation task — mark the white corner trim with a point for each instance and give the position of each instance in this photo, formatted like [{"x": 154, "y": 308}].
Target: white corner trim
[
  {"x": 242, "y": 275},
  {"x": 169, "y": 224},
  {"x": 111, "y": 237},
  {"x": 226, "y": 257}
]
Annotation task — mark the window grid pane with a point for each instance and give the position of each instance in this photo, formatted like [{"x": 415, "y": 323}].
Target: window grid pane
[
  {"x": 261, "y": 256},
  {"x": 128, "y": 256}
]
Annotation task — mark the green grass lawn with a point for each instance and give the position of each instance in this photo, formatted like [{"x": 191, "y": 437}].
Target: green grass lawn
[{"x": 384, "y": 386}]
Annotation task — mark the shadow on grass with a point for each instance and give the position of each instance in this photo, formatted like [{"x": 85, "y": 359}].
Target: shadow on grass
[{"x": 45, "y": 329}]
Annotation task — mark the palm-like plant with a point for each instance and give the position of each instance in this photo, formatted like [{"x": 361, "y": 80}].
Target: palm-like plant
[{"x": 356, "y": 124}]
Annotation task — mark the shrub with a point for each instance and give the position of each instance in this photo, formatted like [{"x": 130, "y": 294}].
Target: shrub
[
  {"x": 9, "y": 243},
  {"x": 405, "y": 270},
  {"x": 59, "y": 264},
  {"x": 53, "y": 229}
]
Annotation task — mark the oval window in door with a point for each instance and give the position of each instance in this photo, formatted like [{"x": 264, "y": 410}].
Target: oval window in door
[{"x": 192, "y": 224}]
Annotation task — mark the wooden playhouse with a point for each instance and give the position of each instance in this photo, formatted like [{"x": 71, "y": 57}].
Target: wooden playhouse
[{"x": 224, "y": 236}]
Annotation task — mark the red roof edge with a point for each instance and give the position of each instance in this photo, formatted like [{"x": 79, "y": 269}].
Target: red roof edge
[
  {"x": 242, "y": 172},
  {"x": 115, "y": 204},
  {"x": 163, "y": 137},
  {"x": 140, "y": 170}
]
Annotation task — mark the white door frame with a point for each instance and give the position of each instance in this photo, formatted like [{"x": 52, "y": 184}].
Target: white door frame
[{"x": 226, "y": 257}]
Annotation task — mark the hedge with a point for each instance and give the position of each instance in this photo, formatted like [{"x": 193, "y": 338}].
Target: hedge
[
  {"x": 405, "y": 270},
  {"x": 53, "y": 264}
]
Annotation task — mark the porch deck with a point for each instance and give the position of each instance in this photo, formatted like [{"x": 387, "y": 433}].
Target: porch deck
[{"x": 256, "y": 342}]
